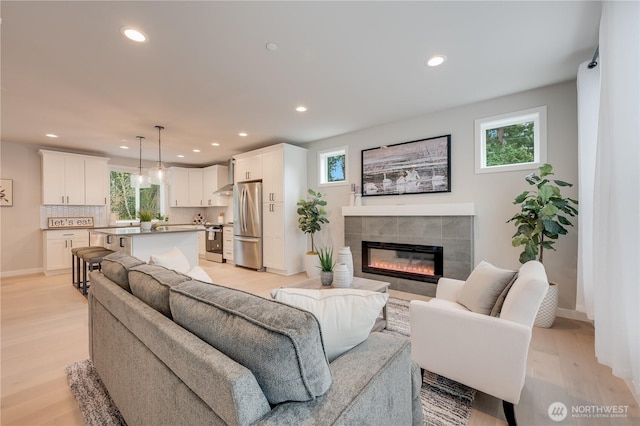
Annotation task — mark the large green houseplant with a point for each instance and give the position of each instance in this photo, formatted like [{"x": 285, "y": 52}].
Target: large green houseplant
[
  {"x": 311, "y": 218},
  {"x": 544, "y": 214}
]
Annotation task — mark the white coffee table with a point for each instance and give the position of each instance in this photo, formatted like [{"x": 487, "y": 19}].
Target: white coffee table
[{"x": 358, "y": 283}]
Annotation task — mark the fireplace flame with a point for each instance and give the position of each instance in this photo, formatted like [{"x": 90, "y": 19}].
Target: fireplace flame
[{"x": 400, "y": 267}]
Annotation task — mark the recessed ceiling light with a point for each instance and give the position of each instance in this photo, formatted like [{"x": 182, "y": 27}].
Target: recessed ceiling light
[
  {"x": 243, "y": 134},
  {"x": 124, "y": 147},
  {"x": 215, "y": 144},
  {"x": 272, "y": 46},
  {"x": 301, "y": 108},
  {"x": 180, "y": 156},
  {"x": 135, "y": 35},
  {"x": 434, "y": 61},
  {"x": 51, "y": 135},
  {"x": 196, "y": 150}
]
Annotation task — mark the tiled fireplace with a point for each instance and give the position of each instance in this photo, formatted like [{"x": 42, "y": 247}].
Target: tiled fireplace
[{"x": 413, "y": 238}]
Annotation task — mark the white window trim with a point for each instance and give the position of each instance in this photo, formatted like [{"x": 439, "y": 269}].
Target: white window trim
[
  {"x": 537, "y": 115},
  {"x": 322, "y": 165}
]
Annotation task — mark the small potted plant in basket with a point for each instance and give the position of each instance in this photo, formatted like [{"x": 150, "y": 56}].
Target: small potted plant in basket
[{"x": 325, "y": 255}]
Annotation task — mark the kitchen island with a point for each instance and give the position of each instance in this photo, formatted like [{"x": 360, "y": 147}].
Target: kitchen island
[{"x": 143, "y": 244}]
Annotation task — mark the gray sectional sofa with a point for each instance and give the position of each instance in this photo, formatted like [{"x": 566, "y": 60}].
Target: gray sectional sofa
[{"x": 176, "y": 351}]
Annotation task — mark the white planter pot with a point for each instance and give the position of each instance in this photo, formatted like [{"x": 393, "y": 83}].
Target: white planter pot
[
  {"x": 547, "y": 312},
  {"x": 312, "y": 265},
  {"x": 145, "y": 226},
  {"x": 345, "y": 256},
  {"x": 341, "y": 277}
]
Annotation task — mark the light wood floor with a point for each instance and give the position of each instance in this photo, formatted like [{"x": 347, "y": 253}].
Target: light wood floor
[{"x": 44, "y": 328}]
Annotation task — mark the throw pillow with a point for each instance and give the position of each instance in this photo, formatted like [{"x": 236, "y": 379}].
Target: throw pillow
[
  {"x": 483, "y": 287},
  {"x": 498, "y": 306},
  {"x": 197, "y": 273},
  {"x": 173, "y": 259},
  {"x": 346, "y": 315}
]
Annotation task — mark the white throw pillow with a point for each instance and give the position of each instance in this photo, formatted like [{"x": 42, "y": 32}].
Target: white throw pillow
[
  {"x": 197, "y": 273},
  {"x": 346, "y": 315},
  {"x": 483, "y": 287},
  {"x": 173, "y": 259}
]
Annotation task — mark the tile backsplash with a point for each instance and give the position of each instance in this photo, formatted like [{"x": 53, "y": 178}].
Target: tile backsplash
[{"x": 99, "y": 214}]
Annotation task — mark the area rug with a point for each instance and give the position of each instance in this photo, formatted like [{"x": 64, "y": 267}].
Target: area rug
[{"x": 444, "y": 402}]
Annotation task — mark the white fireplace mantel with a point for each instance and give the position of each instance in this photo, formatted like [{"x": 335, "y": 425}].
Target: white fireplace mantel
[{"x": 455, "y": 209}]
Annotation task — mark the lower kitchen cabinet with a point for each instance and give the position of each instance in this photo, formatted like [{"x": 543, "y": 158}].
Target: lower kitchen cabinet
[
  {"x": 57, "y": 249},
  {"x": 227, "y": 243}
]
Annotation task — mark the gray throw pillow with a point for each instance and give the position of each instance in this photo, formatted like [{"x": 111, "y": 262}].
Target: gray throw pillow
[
  {"x": 280, "y": 344},
  {"x": 498, "y": 306},
  {"x": 483, "y": 287}
]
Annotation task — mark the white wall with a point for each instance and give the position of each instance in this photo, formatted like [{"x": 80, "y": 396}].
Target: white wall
[{"x": 491, "y": 193}]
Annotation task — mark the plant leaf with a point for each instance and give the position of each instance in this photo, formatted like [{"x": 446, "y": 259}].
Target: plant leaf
[{"x": 562, "y": 183}]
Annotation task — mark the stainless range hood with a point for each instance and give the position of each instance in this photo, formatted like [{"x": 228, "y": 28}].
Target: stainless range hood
[{"x": 228, "y": 188}]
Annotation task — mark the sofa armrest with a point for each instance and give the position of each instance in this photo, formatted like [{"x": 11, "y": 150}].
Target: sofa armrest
[
  {"x": 484, "y": 352},
  {"x": 372, "y": 384},
  {"x": 448, "y": 289}
]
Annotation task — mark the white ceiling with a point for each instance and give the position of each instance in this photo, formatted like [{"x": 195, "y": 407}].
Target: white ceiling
[{"x": 206, "y": 74}]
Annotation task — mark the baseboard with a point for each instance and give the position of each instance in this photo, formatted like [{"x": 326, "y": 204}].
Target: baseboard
[
  {"x": 572, "y": 314},
  {"x": 6, "y": 274},
  {"x": 632, "y": 388}
]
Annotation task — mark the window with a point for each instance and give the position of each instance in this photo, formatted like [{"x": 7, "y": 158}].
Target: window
[
  {"x": 514, "y": 141},
  {"x": 333, "y": 167},
  {"x": 126, "y": 200}
]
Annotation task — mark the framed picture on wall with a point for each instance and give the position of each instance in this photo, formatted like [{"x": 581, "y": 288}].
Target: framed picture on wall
[
  {"x": 6, "y": 192},
  {"x": 415, "y": 167}
]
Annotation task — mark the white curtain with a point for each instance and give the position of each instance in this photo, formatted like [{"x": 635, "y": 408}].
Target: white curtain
[{"x": 609, "y": 285}]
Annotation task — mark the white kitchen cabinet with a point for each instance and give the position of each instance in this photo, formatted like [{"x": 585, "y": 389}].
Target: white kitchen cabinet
[
  {"x": 202, "y": 244},
  {"x": 57, "y": 248},
  {"x": 214, "y": 178},
  {"x": 284, "y": 245},
  {"x": 227, "y": 243},
  {"x": 96, "y": 174},
  {"x": 72, "y": 179},
  {"x": 195, "y": 187},
  {"x": 248, "y": 167}
]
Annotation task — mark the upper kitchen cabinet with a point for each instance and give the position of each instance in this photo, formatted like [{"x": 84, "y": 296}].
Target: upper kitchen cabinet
[
  {"x": 72, "y": 179},
  {"x": 248, "y": 166},
  {"x": 194, "y": 187},
  {"x": 214, "y": 178}
]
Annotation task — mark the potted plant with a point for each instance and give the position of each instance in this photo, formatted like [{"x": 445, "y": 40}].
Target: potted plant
[
  {"x": 145, "y": 217},
  {"x": 325, "y": 256},
  {"x": 312, "y": 216},
  {"x": 542, "y": 218}
]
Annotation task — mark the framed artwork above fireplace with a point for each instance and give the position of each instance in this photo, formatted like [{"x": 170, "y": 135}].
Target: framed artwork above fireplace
[{"x": 415, "y": 167}]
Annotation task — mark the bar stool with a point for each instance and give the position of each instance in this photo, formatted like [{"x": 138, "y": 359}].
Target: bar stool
[
  {"x": 91, "y": 259},
  {"x": 75, "y": 262}
]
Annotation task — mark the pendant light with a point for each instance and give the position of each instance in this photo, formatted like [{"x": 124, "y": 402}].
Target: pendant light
[
  {"x": 139, "y": 180},
  {"x": 158, "y": 174}
]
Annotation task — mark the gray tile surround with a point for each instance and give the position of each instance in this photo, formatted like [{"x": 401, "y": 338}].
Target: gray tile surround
[{"x": 453, "y": 233}]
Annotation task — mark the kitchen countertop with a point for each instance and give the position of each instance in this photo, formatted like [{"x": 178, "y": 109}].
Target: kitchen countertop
[
  {"x": 163, "y": 229},
  {"x": 97, "y": 228}
]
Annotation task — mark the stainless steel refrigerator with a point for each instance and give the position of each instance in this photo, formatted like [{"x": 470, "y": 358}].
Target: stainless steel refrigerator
[{"x": 247, "y": 225}]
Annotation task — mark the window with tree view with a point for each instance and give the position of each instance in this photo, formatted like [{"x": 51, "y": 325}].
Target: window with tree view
[
  {"x": 514, "y": 141},
  {"x": 333, "y": 167},
  {"x": 126, "y": 200}
]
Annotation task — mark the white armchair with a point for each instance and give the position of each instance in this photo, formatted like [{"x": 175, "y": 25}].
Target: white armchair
[{"x": 484, "y": 352}]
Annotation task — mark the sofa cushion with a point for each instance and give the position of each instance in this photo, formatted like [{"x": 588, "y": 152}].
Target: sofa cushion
[
  {"x": 151, "y": 284},
  {"x": 115, "y": 266},
  {"x": 483, "y": 287},
  {"x": 280, "y": 344},
  {"x": 346, "y": 315},
  {"x": 173, "y": 259}
]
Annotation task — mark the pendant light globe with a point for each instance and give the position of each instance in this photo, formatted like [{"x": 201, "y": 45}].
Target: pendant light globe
[
  {"x": 140, "y": 180},
  {"x": 158, "y": 174}
]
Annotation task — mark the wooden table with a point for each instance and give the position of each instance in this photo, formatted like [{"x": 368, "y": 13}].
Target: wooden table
[{"x": 358, "y": 283}]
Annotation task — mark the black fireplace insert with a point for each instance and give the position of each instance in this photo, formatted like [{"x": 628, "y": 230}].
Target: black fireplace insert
[{"x": 410, "y": 261}]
